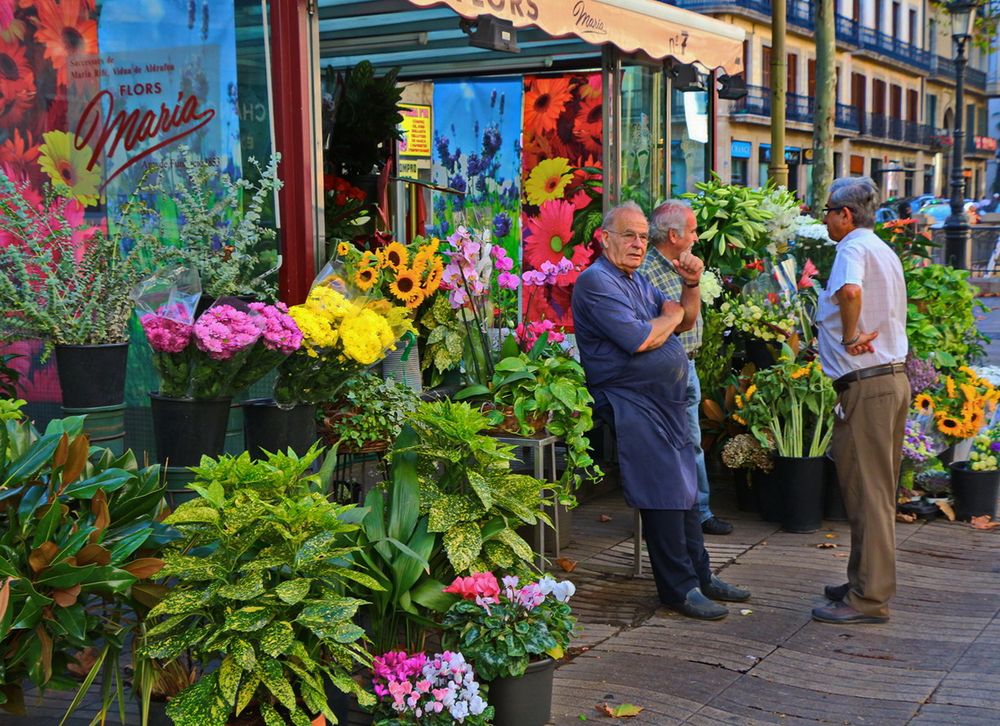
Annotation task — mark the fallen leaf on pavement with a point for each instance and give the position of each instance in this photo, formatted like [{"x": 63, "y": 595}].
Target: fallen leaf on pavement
[
  {"x": 840, "y": 554},
  {"x": 948, "y": 511},
  {"x": 831, "y": 536},
  {"x": 745, "y": 611},
  {"x": 604, "y": 518},
  {"x": 827, "y": 545},
  {"x": 906, "y": 518},
  {"x": 984, "y": 522},
  {"x": 625, "y": 710},
  {"x": 567, "y": 564}
]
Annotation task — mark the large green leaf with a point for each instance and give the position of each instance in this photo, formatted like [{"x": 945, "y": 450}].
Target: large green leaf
[
  {"x": 108, "y": 481},
  {"x": 248, "y": 619},
  {"x": 249, "y": 587},
  {"x": 463, "y": 544},
  {"x": 273, "y": 677},
  {"x": 200, "y": 704},
  {"x": 73, "y": 619},
  {"x": 230, "y": 673},
  {"x": 325, "y": 618},
  {"x": 404, "y": 502},
  {"x": 277, "y": 638},
  {"x": 292, "y": 591},
  {"x": 31, "y": 462}
]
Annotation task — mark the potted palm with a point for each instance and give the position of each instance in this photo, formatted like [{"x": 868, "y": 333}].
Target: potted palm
[
  {"x": 512, "y": 634},
  {"x": 67, "y": 282},
  {"x": 259, "y": 582},
  {"x": 789, "y": 408}
]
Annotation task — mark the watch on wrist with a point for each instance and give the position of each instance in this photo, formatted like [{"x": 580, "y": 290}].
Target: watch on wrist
[{"x": 692, "y": 284}]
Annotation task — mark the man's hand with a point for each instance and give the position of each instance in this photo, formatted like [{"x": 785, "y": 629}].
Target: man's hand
[
  {"x": 689, "y": 267},
  {"x": 863, "y": 344},
  {"x": 673, "y": 311}
]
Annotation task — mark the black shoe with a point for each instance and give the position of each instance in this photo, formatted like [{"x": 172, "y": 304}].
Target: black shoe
[
  {"x": 836, "y": 593},
  {"x": 719, "y": 590},
  {"x": 714, "y": 525},
  {"x": 840, "y": 614},
  {"x": 698, "y": 606}
]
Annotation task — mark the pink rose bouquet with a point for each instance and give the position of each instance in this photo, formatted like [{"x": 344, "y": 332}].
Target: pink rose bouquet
[{"x": 415, "y": 689}]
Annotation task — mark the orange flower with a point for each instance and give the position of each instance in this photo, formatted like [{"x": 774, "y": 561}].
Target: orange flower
[
  {"x": 66, "y": 29},
  {"x": 544, "y": 100}
]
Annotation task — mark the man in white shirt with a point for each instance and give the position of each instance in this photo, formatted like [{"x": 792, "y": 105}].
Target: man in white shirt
[{"x": 862, "y": 346}]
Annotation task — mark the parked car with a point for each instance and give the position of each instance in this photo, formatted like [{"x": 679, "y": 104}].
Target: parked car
[
  {"x": 937, "y": 212},
  {"x": 885, "y": 214}
]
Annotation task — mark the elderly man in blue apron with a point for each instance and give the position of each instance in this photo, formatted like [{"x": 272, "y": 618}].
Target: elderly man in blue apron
[{"x": 626, "y": 331}]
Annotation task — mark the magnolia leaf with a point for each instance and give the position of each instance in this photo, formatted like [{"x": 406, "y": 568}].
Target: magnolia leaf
[
  {"x": 946, "y": 509},
  {"x": 984, "y": 522},
  {"x": 144, "y": 567},
  {"x": 713, "y": 411},
  {"x": 66, "y": 597},
  {"x": 93, "y": 554},
  {"x": 566, "y": 564},
  {"x": 4, "y": 600},
  {"x": 41, "y": 556},
  {"x": 76, "y": 459}
]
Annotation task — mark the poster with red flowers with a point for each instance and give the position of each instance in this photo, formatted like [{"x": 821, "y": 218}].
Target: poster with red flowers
[{"x": 562, "y": 179}]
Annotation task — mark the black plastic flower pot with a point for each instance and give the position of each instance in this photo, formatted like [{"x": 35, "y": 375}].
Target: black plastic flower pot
[
  {"x": 833, "y": 499},
  {"x": 185, "y": 429},
  {"x": 975, "y": 492},
  {"x": 768, "y": 495},
  {"x": 746, "y": 501},
  {"x": 92, "y": 376},
  {"x": 525, "y": 700},
  {"x": 268, "y": 427},
  {"x": 800, "y": 481}
]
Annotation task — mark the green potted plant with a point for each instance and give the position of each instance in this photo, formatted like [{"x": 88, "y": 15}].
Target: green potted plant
[
  {"x": 363, "y": 123},
  {"x": 78, "y": 532},
  {"x": 67, "y": 282},
  {"x": 512, "y": 634},
  {"x": 258, "y": 582},
  {"x": 370, "y": 414}
]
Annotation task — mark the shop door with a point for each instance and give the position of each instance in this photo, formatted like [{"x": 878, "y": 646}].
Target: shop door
[{"x": 643, "y": 134}]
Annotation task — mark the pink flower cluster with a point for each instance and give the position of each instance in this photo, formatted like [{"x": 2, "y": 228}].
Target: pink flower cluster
[
  {"x": 479, "y": 586},
  {"x": 395, "y": 667},
  {"x": 165, "y": 335},
  {"x": 436, "y": 690},
  {"x": 223, "y": 331},
  {"x": 278, "y": 330},
  {"x": 548, "y": 272},
  {"x": 472, "y": 264},
  {"x": 528, "y": 335},
  {"x": 528, "y": 597}
]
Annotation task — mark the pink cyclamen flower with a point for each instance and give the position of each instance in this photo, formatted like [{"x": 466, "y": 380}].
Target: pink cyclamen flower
[
  {"x": 277, "y": 328},
  {"x": 223, "y": 331},
  {"x": 165, "y": 335}
]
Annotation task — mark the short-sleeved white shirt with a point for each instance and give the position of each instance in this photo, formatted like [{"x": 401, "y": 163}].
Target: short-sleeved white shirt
[{"x": 866, "y": 261}]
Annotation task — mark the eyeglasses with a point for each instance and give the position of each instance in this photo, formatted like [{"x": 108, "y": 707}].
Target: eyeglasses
[
  {"x": 631, "y": 235},
  {"x": 827, "y": 210}
]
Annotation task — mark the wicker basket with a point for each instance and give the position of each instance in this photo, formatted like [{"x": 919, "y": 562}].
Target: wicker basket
[
  {"x": 510, "y": 425},
  {"x": 333, "y": 416}
]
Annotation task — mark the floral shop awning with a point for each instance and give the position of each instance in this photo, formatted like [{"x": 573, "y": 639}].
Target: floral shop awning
[{"x": 657, "y": 29}]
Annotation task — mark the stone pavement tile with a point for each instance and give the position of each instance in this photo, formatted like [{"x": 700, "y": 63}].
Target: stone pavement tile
[
  {"x": 909, "y": 647},
  {"x": 980, "y": 690},
  {"x": 762, "y": 625},
  {"x": 669, "y": 688},
  {"x": 936, "y": 714},
  {"x": 770, "y": 701},
  {"x": 709, "y": 645},
  {"x": 830, "y": 675}
]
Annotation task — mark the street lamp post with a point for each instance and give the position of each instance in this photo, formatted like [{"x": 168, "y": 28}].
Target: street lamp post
[{"x": 956, "y": 226}]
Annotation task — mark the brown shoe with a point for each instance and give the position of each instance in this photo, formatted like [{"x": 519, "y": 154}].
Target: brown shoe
[{"x": 841, "y": 614}]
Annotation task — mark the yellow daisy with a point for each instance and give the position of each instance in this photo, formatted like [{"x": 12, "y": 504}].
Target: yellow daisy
[
  {"x": 547, "y": 180},
  {"x": 67, "y": 166}
]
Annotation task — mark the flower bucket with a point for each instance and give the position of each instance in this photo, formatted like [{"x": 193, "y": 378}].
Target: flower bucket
[
  {"x": 800, "y": 481},
  {"x": 403, "y": 364},
  {"x": 768, "y": 493},
  {"x": 975, "y": 492},
  {"x": 266, "y": 426},
  {"x": 185, "y": 429},
  {"x": 92, "y": 376},
  {"x": 525, "y": 700},
  {"x": 105, "y": 425}
]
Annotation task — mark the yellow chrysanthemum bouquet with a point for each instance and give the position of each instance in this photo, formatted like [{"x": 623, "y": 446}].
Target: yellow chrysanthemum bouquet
[
  {"x": 789, "y": 407},
  {"x": 961, "y": 405},
  {"x": 343, "y": 333},
  {"x": 405, "y": 274}
]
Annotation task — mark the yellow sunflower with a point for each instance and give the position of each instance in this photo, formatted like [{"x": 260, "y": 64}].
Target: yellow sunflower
[
  {"x": 949, "y": 386},
  {"x": 548, "y": 180},
  {"x": 740, "y": 420},
  {"x": 948, "y": 425},
  {"x": 343, "y": 249},
  {"x": 739, "y": 402},
  {"x": 67, "y": 166},
  {"x": 414, "y": 300},
  {"x": 395, "y": 256},
  {"x": 924, "y": 403},
  {"x": 750, "y": 391},
  {"x": 365, "y": 277},
  {"x": 405, "y": 285},
  {"x": 803, "y": 371}
]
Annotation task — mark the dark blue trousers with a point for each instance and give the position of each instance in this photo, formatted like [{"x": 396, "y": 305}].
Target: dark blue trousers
[{"x": 677, "y": 552}]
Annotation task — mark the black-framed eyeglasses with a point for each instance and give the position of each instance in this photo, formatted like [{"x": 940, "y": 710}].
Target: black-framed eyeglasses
[{"x": 827, "y": 210}]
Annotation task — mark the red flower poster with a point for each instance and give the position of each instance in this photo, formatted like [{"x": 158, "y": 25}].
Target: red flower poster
[{"x": 561, "y": 189}]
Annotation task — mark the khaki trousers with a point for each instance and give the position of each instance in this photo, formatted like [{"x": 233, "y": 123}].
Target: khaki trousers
[{"x": 867, "y": 449}]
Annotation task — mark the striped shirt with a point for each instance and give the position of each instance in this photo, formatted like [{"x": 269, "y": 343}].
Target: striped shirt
[{"x": 661, "y": 272}]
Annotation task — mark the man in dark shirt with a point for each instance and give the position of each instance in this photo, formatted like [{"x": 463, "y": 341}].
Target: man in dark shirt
[{"x": 626, "y": 331}]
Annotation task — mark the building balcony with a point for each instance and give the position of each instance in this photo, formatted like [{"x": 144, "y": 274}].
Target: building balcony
[
  {"x": 798, "y": 108},
  {"x": 943, "y": 69}
]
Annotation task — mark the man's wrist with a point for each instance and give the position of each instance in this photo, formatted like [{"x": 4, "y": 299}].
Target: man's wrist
[
  {"x": 852, "y": 341},
  {"x": 692, "y": 284}
]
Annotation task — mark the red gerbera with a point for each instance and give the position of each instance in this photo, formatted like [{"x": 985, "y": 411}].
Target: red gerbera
[
  {"x": 65, "y": 29},
  {"x": 548, "y": 233},
  {"x": 17, "y": 84},
  {"x": 19, "y": 156},
  {"x": 544, "y": 100}
]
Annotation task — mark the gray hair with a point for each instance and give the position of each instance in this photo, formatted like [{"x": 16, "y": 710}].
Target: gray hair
[
  {"x": 612, "y": 214},
  {"x": 671, "y": 215},
  {"x": 860, "y": 195}
]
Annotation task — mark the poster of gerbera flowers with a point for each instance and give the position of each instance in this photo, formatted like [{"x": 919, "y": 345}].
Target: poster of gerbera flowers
[
  {"x": 562, "y": 180},
  {"x": 477, "y": 152}
]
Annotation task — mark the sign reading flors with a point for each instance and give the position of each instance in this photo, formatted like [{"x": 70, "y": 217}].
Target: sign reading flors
[
  {"x": 658, "y": 29},
  {"x": 125, "y": 107}
]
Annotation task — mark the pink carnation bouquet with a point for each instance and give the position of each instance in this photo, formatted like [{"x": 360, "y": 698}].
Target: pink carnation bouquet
[
  {"x": 279, "y": 338},
  {"x": 223, "y": 338},
  {"x": 169, "y": 337}
]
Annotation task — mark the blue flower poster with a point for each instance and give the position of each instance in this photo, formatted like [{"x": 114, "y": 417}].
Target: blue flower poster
[{"x": 477, "y": 152}]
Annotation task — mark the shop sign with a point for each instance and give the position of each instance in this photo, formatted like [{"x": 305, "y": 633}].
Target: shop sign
[
  {"x": 807, "y": 156},
  {"x": 857, "y": 164},
  {"x": 417, "y": 129},
  {"x": 985, "y": 143},
  {"x": 740, "y": 149},
  {"x": 793, "y": 155}
]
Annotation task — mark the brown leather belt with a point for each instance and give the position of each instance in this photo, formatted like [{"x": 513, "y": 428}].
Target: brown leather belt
[
  {"x": 844, "y": 381},
  {"x": 692, "y": 355}
]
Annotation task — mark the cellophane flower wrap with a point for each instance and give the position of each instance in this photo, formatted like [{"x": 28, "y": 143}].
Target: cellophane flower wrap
[
  {"x": 279, "y": 338},
  {"x": 961, "y": 405},
  {"x": 430, "y": 691},
  {"x": 985, "y": 454},
  {"x": 165, "y": 303},
  {"x": 343, "y": 332},
  {"x": 223, "y": 336},
  {"x": 920, "y": 446},
  {"x": 791, "y": 404},
  {"x": 501, "y": 626},
  {"x": 406, "y": 275}
]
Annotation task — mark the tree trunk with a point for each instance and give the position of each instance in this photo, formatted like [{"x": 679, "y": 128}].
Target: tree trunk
[
  {"x": 826, "y": 103},
  {"x": 778, "y": 170}
]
